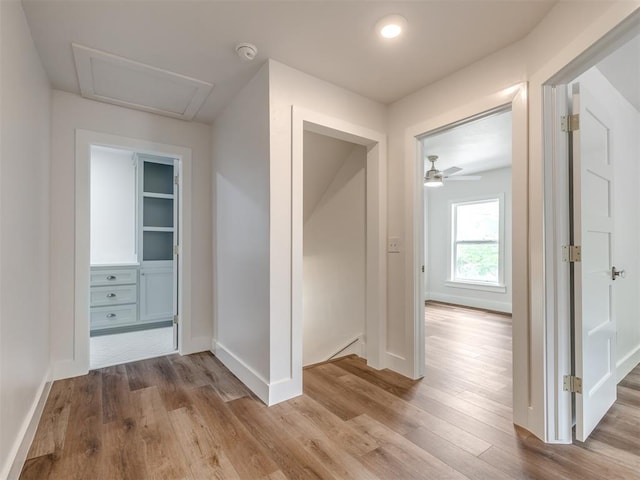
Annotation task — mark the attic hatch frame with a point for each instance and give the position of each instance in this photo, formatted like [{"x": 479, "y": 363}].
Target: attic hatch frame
[
  {"x": 375, "y": 231},
  {"x": 515, "y": 98}
]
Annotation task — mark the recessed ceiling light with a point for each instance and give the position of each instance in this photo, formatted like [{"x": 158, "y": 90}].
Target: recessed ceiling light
[{"x": 391, "y": 26}]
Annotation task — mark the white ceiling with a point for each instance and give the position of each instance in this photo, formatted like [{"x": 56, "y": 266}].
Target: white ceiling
[
  {"x": 332, "y": 40},
  {"x": 622, "y": 69},
  {"x": 477, "y": 146}
]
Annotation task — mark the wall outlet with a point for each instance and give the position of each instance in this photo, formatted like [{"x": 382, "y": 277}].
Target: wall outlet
[{"x": 394, "y": 245}]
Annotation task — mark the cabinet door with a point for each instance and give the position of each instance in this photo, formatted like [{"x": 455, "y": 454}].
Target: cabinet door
[{"x": 156, "y": 294}]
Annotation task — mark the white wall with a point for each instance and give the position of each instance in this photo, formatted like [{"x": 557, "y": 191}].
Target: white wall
[
  {"x": 625, "y": 150},
  {"x": 241, "y": 198},
  {"x": 24, "y": 231},
  {"x": 438, "y": 218},
  {"x": 71, "y": 112},
  {"x": 113, "y": 206},
  {"x": 334, "y": 261}
]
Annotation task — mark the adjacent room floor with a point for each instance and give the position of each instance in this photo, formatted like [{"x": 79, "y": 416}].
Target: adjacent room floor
[
  {"x": 188, "y": 417},
  {"x": 107, "y": 350}
]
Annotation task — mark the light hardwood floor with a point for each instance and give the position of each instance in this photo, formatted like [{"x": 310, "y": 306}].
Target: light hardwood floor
[{"x": 189, "y": 418}]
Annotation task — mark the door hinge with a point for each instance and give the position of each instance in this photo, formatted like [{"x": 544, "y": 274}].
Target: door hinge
[
  {"x": 422, "y": 268},
  {"x": 570, "y": 123},
  {"x": 176, "y": 249},
  {"x": 176, "y": 180},
  {"x": 572, "y": 384},
  {"x": 571, "y": 253},
  {"x": 175, "y": 319}
]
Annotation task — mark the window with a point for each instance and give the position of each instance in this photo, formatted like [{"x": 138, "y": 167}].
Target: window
[{"x": 477, "y": 249}]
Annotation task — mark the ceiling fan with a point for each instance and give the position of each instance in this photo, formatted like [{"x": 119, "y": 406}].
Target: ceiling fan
[{"x": 433, "y": 177}]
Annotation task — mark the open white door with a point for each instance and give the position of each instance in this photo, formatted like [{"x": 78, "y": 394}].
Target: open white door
[{"x": 595, "y": 326}]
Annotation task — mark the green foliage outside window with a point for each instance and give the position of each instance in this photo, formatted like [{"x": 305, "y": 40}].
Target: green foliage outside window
[{"x": 477, "y": 262}]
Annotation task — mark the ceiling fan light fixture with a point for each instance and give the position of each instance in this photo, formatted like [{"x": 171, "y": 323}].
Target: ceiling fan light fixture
[{"x": 432, "y": 179}]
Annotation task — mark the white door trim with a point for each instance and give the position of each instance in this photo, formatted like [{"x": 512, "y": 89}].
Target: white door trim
[
  {"x": 557, "y": 328},
  {"x": 84, "y": 139},
  {"x": 523, "y": 369},
  {"x": 376, "y": 228}
]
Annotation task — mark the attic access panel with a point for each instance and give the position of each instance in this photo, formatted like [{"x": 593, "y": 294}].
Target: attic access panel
[{"x": 112, "y": 79}]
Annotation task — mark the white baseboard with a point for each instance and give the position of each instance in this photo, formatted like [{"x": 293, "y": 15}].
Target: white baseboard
[
  {"x": 20, "y": 448},
  {"x": 197, "y": 345},
  {"x": 504, "y": 307},
  {"x": 269, "y": 393},
  {"x": 399, "y": 364},
  {"x": 254, "y": 381},
  {"x": 627, "y": 363},
  {"x": 285, "y": 389}
]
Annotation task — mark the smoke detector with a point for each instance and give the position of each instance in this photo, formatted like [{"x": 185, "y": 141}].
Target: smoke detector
[{"x": 246, "y": 51}]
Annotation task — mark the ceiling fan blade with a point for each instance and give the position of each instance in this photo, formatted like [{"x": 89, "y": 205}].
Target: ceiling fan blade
[
  {"x": 450, "y": 171},
  {"x": 463, "y": 177}
]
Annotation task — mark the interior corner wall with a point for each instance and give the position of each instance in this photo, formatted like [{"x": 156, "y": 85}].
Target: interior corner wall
[
  {"x": 71, "y": 112},
  {"x": 625, "y": 150},
  {"x": 439, "y": 242},
  {"x": 24, "y": 232},
  {"x": 289, "y": 87},
  {"x": 334, "y": 265},
  {"x": 242, "y": 222}
]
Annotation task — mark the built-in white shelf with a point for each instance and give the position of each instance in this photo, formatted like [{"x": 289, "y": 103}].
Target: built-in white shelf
[
  {"x": 157, "y": 229},
  {"x": 166, "y": 196}
]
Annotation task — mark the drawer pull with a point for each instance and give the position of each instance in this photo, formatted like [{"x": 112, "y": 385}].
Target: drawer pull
[
  {"x": 111, "y": 295},
  {"x": 111, "y": 277},
  {"x": 111, "y": 315}
]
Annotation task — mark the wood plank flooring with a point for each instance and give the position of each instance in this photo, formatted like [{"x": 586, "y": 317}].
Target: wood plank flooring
[{"x": 189, "y": 418}]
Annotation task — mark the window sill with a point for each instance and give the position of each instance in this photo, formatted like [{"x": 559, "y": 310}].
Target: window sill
[{"x": 477, "y": 286}]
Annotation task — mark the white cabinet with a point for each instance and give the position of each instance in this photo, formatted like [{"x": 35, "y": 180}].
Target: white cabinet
[
  {"x": 156, "y": 294},
  {"x": 113, "y": 297}
]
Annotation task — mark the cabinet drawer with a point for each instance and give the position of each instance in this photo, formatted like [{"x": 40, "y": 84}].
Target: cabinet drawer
[
  {"x": 105, "y": 317},
  {"x": 113, "y": 295},
  {"x": 114, "y": 276}
]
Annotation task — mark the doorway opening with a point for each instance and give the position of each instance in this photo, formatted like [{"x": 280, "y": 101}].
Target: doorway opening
[
  {"x": 130, "y": 270},
  {"x": 133, "y": 275},
  {"x": 592, "y": 126},
  {"x": 468, "y": 255},
  {"x": 513, "y": 99},
  {"x": 334, "y": 251},
  {"x": 373, "y": 145}
]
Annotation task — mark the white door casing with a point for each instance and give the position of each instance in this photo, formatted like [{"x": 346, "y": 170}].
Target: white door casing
[
  {"x": 594, "y": 319},
  {"x": 79, "y": 363},
  {"x": 176, "y": 251}
]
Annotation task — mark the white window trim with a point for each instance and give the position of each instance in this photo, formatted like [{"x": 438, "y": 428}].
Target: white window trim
[{"x": 498, "y": 287}]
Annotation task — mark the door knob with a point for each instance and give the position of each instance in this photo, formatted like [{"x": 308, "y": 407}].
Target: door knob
[{"x": 617, "y": 273}]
